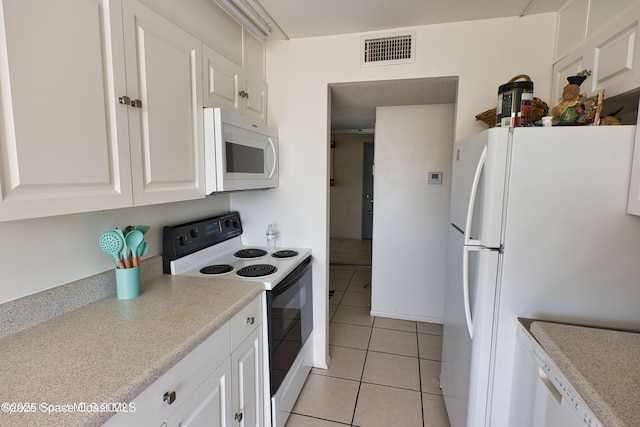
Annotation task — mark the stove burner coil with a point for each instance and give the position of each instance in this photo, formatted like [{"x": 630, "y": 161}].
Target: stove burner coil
[
  {"x": 257, "y": 270},
  {"x": 216, "y": 269},
  {"x": 284, "y": 254},
  {"x": 250, "y": 253}
]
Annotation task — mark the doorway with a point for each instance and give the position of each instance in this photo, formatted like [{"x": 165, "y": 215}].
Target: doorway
[
  {"x": 352, "y": 108},
  {"x": 368, "y": 169}
]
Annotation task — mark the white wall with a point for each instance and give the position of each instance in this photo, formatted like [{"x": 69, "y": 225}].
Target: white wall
[
  {"x": 484, "y": 54},
  {"x": 410, "y": 227},
  {"x": 346, "y": 194},
  {"x": 42, "y": 253}
]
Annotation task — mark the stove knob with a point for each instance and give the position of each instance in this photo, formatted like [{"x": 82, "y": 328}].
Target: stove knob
[
  {"x": 182, "y": 240},
  {"x": 236, "y": 224},
  {"x": 194, "y": 232}
]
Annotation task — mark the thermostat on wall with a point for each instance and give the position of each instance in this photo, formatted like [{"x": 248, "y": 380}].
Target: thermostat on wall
[{"x": 434, "y": 177}]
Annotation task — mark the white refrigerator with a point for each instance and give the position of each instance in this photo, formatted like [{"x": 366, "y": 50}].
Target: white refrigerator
[{"x": 539, "y": 229}]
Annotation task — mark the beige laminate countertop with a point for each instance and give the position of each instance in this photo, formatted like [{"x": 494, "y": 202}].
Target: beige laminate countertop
[
  {"x": 602, "y": 365},
  {"x": 111, "y": 350}
]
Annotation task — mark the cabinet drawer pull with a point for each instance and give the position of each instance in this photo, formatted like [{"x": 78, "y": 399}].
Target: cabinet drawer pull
[
  {"x": 239, "y": 417},
  {"x": 169, "y": 397},
  {"x": 251, "y": 320}
]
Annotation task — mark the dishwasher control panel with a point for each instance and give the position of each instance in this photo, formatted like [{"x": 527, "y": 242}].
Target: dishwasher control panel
[{"x": 556, "y": 379}]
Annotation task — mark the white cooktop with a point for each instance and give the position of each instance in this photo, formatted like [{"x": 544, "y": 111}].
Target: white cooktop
[{"x": 223, "y": 254}]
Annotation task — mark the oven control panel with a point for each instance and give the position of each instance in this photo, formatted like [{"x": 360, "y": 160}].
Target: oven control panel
[{"x": 184, "y": 239}]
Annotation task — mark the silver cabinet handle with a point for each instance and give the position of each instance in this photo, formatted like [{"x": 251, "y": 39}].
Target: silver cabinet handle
[
  {"x": 128, "y": 101},
  {"x": 239, "y": 417},
  {"x": 251, "y": 320},
  {"x": 169, "y": 397}
]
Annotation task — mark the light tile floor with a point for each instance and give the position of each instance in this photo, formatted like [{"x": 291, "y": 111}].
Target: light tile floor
[
  {"x": 350, "y": 251},
  {"x": 383, "y": 372}
]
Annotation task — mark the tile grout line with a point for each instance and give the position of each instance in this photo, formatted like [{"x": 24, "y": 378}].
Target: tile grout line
[
  {"x": 366, "y": 354},
  {"x": 420, "y": 376}
]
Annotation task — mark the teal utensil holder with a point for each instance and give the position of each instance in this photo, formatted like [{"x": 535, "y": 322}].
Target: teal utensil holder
[{"x": 128, "y": 282}]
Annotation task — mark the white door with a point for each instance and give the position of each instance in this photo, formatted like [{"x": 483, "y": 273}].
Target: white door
[
  {"x": 477, "y": 186},
  {"x": 456, "y": 342},
  {"x": 255, "y": 103},
  {"x": 63, "y": 137},
  {"x": 221, "y": 81},
  {"x": 247, "y": 381},
  {"x": 472, "y": 275},
  {"x": 164, "y": 69},
  {"x": 209, "y": 405}
]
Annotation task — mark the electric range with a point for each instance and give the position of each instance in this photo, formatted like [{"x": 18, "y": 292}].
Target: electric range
[{"x": 212, "y": 248}]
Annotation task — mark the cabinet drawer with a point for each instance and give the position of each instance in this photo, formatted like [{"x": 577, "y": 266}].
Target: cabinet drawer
[
  {"x": 183, "y": 379},
  {"x": 246, "y": 321}
]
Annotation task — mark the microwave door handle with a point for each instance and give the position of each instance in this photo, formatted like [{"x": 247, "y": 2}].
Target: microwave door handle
[
  {"x": 472, "y": 200},
  {"x": 275, "y": 158}
]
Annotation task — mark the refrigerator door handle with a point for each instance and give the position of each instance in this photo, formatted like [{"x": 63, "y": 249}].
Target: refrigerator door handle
[
  {"x": 465, "y": 288},
  {"x": 472, "y": 200}
]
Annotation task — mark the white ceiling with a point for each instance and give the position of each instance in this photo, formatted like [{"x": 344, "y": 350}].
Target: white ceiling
[
  {"x": 312, "y": 18},
  {"x": 353, "y": 104}
]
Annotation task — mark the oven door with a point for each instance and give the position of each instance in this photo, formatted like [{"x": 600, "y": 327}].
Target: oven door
[{"x": 290, "y": 321}]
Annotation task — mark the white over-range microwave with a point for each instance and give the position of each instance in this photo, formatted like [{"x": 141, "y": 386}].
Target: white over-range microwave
[{"x": 239, "y": 153}]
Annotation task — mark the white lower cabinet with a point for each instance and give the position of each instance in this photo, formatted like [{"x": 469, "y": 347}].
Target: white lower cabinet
[
  {"x": 220, "y": 383},
  {"x": 210, "y": 404},
  {"x": 247, "y": 378}
]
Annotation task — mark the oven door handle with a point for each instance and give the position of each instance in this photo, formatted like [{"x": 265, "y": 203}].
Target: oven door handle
[{"x": 292, "y": 278}]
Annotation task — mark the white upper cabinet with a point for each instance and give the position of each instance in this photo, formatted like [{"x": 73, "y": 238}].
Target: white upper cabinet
[
  {"x": 64, "y": 144},
  {"x": 568, "y": 66},
  {"x": 600, "y": 38},
  {"x": 164, "y": 66},
  {"x": 233, "y": 87},
  {"x": 613, "y": 57},
  {"x": 572, "y": 21},
  {"x": 222, "y": 78},
  {"x": 67, "y": 144}
]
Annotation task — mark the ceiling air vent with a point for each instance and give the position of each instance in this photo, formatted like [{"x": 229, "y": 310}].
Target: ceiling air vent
[{"x": 388, "y": 48}]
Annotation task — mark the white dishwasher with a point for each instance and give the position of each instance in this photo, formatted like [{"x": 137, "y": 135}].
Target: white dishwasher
[{"x": 542, "y": 396}]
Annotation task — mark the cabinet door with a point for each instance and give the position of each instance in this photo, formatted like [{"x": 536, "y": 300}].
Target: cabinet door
[
  {"x": 63, "y": 137},
  {"x": 164, "y": 66},
  {"x": 247, "y": 381},
  {"x": 569, "y": 66},
  {"x": 209, "y": 405},
  {"x": 222, "y": 79},
  {"x": 256, "y": 99},
  {"x": 614, "y": 57},
  {"x": 572, "y": 22}
]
